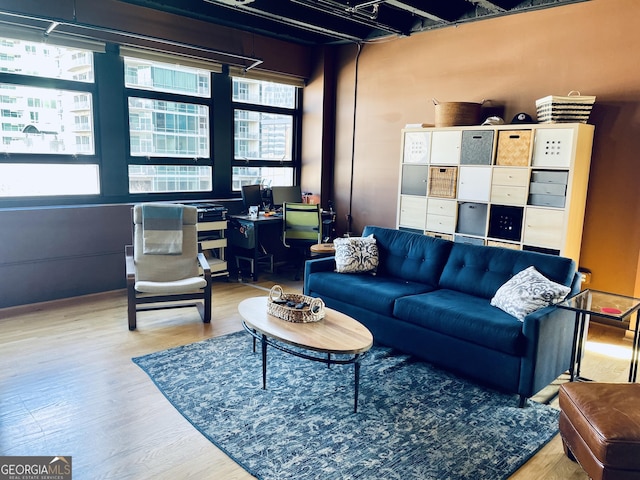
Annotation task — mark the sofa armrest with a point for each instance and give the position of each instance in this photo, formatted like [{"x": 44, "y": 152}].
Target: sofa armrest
[
  {"x": 549, "y": 341},
  {"x": 324, "y": 264}
]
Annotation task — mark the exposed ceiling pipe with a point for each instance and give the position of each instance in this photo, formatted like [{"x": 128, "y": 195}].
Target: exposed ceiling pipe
[
  {"x": 338, "y": 9},
  {"x": 415, "y": 11},
  {"x": 288, "y": 21},
  {"x": 56, "y": 23},
  {"x": 490, "y": 6}
]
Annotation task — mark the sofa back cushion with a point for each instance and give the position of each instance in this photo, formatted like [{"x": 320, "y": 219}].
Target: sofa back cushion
[
  {"x": 409, "y": 256},
  {"x": 480, "y": 271}
]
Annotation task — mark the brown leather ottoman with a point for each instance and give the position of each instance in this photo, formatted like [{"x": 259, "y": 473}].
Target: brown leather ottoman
[{"x": 600, "y": 428}]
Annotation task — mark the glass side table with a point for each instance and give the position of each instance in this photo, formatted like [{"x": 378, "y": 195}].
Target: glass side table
[{"x": 606, "y": 305}]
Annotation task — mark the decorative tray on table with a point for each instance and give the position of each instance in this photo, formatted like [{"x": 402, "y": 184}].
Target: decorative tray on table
[{"x": 293, "y": 307}]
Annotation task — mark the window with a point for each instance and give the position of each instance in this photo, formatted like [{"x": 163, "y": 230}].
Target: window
[
  {"x": 171, "y": 122},
  {"x": 264, "y": 130},
  {"x": 53, "y": 121}
]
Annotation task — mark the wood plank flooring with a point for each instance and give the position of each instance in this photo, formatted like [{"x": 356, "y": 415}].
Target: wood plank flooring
[{"x": 68, "y": 387}]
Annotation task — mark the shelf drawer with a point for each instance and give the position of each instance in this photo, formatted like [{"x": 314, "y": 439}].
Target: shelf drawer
[
  {"x": 543, "y": 227},
  {"x": 436, "y": 206},
  {"x": 550, "y": 176},
  {"x": 209, "y": 244},
  {"x": 514, "y": 147},
  {"x": 207, "y": 226},
  {"x": 548, "y": 188},
  {"x": 511, "y": 176},
  {"x": 443, "y": 236},
  {"x": 511, "y": 246},
  {"x": 441, "y": 223},
  {"x": 413, "y": 211},
  {"x": 547, "y": 200},
  {"x": 508, "y": 195},
  {"x": 468, "y": 240}
]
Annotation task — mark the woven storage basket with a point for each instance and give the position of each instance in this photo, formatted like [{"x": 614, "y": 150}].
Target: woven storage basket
[
  {"x": 313, "y": 311},
  {"x": 454, "y": 114},
  {"x": 513, "y": 148},
  {"x": 442, "y": 182},
  {"x": 572, "y": 108}
]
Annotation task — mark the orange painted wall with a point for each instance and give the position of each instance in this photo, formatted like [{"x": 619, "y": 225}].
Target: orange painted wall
[{"x": 592, "y": 47}]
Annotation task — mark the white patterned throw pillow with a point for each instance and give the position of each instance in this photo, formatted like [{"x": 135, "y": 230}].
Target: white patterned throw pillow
[
  {"x": 356, "y": 254},
  {"x": 527, "y": 292}
]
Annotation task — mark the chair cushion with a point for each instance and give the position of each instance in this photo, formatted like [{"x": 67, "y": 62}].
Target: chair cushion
[
  {"x": 373, "y": 293},
  {"x": 463, "y": 316},
  {"x": 186, "y": 285}
]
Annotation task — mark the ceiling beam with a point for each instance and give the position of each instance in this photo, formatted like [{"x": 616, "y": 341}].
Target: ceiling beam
[{"x": 414, "y": 10}]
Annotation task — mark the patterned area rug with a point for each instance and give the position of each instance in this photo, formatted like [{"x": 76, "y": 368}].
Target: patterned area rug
[{"x": 413, "y": 421}]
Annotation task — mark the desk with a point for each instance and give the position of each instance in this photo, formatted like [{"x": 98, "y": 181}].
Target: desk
[
  {"x": 254, "y": 238},
  {"x": 603, "y": 304}
]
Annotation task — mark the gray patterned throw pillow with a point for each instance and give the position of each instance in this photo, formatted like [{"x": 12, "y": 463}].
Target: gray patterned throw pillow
[
  {"x": 356, "y": 254},
  {"x": 527, "y": 292}
]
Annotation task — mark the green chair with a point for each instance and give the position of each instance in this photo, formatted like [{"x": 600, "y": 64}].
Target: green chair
[{"x": 301, "y": 228}]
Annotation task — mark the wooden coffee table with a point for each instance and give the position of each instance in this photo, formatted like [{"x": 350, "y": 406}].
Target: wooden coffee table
[{"x": 335, "y": 334}]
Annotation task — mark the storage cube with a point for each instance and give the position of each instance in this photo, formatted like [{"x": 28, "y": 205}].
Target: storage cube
[
  {"x": 472, "y": 218},
  {"x": 414, "y": 180},
  {"x": 443, "y": 236},
  {"x": 416, "y": 147},
  {"x": 513, "y": 147},
  {"x": 552, "y": 148},
  {"x": 474, "y": 184},
  {"x": 550, "y": 176},
  {"x": 413, "y": 212},
  {"x": 512, "y": 246},
  {"x": 477, "y": 147},
  {"x": 469, "y": 240},
  {"x": 442, "y": 181},
  {"x": 505, "y": 222},
  {"x": 445, "y": 147}
]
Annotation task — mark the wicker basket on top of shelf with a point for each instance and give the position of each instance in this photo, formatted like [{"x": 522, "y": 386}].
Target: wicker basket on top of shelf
[
  {"x": 572, "y": 108},
  {"x": 312, "y": 311}
]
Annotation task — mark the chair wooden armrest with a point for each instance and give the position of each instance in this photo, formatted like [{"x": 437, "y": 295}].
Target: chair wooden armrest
[
  {"x": 130, "y": 267},
  {"x": 204, "y": 264}
]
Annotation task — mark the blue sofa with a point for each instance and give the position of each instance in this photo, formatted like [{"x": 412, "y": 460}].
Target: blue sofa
[{"x": 431, "y": 298}]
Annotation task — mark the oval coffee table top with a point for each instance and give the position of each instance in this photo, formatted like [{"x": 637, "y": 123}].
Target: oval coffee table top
[{"x": 335, "y": 333}]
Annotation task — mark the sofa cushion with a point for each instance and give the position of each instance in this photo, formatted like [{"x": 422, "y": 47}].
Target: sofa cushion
[
  {"x": 463, "y": 316},
  {"x": 527, "y": 292},
  {"x": 356, "y": 254},
  {"x": 481, "y": 271},
  {"x": 374, "y": 293},
  {"x": 409, "y": 256}
]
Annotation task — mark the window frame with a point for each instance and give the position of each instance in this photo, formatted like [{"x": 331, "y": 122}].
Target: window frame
[{"x": 296, "y": 148}]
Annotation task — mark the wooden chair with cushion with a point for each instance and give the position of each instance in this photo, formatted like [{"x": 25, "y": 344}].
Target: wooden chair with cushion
[{"x": 163, "y": 266}]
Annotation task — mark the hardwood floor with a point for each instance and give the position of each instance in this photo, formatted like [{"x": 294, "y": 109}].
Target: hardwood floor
[{"x": 68, "y": 387}]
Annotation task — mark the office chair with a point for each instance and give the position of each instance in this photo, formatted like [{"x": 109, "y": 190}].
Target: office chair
[
  {"x": 163, "y": 265},
  {"x": 301, "y": 228}
]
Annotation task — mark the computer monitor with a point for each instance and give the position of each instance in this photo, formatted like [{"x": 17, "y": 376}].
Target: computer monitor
[
  {"x": 286, "y": 194},
  {"x": 251, "y": 196}
]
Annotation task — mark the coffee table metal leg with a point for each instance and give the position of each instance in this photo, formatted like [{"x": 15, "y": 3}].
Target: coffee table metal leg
[
  {"x": 264, "y": 361},
  {"x": 356, "y": 365}
]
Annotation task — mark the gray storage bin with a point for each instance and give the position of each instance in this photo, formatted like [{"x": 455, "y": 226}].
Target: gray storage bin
[
  {"x": 472, "y": 218},
  {"x": 541, "y": 188},
  {"x": 550, "y": 176},
  {"x": 469, "y": 240},
  {"x": 547, "y": 200},
  {"x": 477, "y": 147}
]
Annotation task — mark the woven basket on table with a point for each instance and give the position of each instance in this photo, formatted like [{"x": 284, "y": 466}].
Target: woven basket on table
[{"x": 312, "y": 312}]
